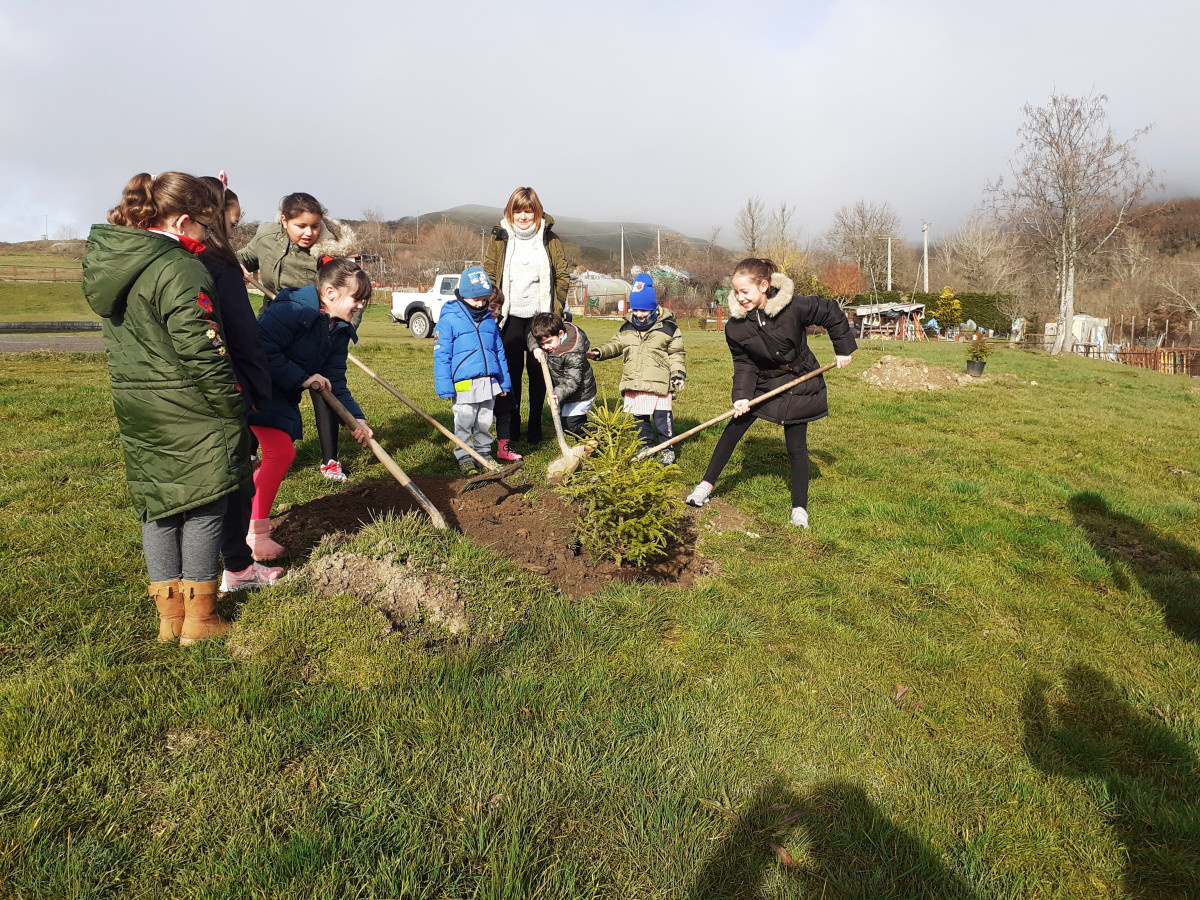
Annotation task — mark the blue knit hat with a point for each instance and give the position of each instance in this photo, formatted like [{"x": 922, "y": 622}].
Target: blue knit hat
[
  {"x": 642, "y": 296},
  {"x": 474, "y": 283}
]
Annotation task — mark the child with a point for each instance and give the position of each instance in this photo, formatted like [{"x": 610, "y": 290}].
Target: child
[
  {"x": 176, "y": 400},
  {"x": 240, "y": 329},
  {"x": 652, "y": 346},
  {"x": 565, "y": 347},
  {"x": 469, "y": 365},
  {"x": 306, "y": 334},
  {"x": 281, "y": 253},
  {"x": 766, "y": 334}
]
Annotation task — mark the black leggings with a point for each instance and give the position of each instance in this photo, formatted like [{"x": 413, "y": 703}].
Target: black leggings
[
  {"x": 328, "y": 424},
  {"x": 794, "y": 436},
  {"x": 508, "y": 409}
]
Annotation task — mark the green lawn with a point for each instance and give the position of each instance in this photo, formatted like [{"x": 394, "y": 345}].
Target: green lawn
[{"x": 977, "y": 676}]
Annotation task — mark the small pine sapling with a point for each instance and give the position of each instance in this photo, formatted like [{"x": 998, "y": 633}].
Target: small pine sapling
[
  {"x": 978, "y": 349},
  {"x": 629, "y": 509}
]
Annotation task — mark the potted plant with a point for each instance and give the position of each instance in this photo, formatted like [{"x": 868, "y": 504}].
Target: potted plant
[{"x": 978, "y": 351}]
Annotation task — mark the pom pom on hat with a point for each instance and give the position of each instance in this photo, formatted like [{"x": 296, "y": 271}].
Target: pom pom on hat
[
  {"x": 642, "y": 296},
  {"x": 474, "y": 283}
]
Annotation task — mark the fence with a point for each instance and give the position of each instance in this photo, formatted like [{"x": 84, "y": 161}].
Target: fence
[
  {"x": 71, "y": 274},
  {"x": 1172, "y": 361}
]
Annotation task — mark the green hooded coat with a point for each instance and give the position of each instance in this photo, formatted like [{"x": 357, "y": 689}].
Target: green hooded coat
[
  {"x": 176, "y": 399},
  {"x": 279, "y": 263}
]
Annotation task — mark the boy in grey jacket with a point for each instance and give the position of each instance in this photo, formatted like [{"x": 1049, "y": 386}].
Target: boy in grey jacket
[{"x": 565, "y": 347}]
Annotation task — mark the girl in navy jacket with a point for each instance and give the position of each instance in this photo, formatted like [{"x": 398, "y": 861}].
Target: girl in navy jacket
[
  {"x": 306, "y": 334},
  {"x": 469, "y": 366}
]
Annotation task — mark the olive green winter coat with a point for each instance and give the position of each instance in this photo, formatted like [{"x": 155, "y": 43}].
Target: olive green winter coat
[
  {"x": 177, "y": 403},
  {"x": 652, "y": 357},
  {"x": 279, "y": 262}
]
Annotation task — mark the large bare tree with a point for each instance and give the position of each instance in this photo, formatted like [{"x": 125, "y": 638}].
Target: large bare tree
[
  {"x": 1073, "y": 189},
  {"x": 860, "y": 234},
  {"x": 981, "y": 256}
]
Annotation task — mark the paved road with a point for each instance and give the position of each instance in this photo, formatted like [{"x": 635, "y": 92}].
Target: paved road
[{"x": 57, "y": 343}]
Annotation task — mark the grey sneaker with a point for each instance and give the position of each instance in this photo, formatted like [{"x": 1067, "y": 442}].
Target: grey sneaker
[
  {"x": 699, "y": 496},
  {"x": 666, "y": 457},
  {"x": 799, "y": 517}
]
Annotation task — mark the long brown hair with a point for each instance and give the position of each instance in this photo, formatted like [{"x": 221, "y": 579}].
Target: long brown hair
[
  {"x": 759, "y": 270},
  {"x": 149, "y": 200},
  {"x": 219, "y": 240}
]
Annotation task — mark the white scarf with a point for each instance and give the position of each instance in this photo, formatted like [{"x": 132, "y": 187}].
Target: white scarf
[{"x": 544, "y": 286}]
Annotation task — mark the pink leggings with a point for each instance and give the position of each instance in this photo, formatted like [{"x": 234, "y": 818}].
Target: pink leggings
[{"x": 277, "y": 455}]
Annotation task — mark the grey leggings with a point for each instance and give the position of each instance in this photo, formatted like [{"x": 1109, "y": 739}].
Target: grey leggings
[{"x": 186, "y": 545}]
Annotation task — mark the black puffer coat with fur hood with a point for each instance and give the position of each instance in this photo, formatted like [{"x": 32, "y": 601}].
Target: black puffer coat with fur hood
[{"x": 770, "y": 348}]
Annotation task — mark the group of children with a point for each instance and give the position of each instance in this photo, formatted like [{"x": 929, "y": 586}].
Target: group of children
[
  {"x": 194, "y": 374},
  {"x": 471, "y": 369},
  {"x": 196, "y": 378}
]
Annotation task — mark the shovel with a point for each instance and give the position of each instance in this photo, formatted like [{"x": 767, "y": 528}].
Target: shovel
[
  {"x": 650, "y": 451},
  {"x": 494, "y": 471},
  {"x": 382, "y": 455},
  {"x": 571, "y": 457}
]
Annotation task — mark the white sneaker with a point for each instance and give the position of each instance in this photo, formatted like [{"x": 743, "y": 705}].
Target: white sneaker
[
  {"x": 253, "y": 576},
  {"x": 799, "y": 517},
  {"x": 699, "y": 496},
  {"x": 333, "y": 471}
]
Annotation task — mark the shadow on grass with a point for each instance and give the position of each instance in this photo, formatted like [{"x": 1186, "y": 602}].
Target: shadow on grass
[
  {"x": 1166, "y": 570},
  {"x": 840, "y": 846},
  {"x": 1139, "y": 771}
]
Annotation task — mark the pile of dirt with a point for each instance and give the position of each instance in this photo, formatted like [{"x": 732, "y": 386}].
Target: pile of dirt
[
  {"x": 901, "y": 374},
  {"x": 403, "y": 594},
  {"x": 534, "y": 532}
]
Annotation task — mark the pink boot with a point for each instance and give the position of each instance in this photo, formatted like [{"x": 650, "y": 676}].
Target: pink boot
[
  {"x": 259, "y": 541},
  {"x": 505, "y": 452}
]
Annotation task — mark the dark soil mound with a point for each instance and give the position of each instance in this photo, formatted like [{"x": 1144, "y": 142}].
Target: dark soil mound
[{"x": 534, "y": 533}]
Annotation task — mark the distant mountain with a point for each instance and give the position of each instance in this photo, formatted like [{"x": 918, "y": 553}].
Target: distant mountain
[
  {"x": 601, "y": 236},
  {"x": 1173, "y": 227}
]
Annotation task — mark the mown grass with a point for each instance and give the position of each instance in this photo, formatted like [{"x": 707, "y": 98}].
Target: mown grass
[{"x": 1022, "y": 561}]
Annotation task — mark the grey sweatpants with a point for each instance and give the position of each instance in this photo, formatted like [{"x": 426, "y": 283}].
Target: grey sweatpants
[
  {"x": 186, "y": 545},
  {"x": 473, "y": 426}
]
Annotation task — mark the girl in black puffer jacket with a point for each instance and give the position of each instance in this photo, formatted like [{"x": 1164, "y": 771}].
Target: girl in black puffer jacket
[{"x": 766, "y": 335}]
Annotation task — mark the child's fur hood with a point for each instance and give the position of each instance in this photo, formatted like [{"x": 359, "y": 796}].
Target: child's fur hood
[
  {"x": 774, "y": 305},
  {"x": 337, "y": 239}
]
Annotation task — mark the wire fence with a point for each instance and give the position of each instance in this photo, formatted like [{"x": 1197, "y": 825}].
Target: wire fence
[{"x": 70, "y": 274}]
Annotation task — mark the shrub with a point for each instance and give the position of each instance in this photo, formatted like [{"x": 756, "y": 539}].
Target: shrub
[
  {"x": 978, "y": 349},
  {"x": 628, "y": 507}
]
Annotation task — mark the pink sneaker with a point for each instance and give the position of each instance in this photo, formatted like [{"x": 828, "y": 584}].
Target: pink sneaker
[
  {"x": 333, "y": 471},
  {"x": 253, "y": 576},
  {"x": 505, "y": 452}
]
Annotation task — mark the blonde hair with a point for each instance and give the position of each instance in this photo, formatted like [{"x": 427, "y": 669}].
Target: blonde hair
[
  {"x": 524, "y": 198},
  {"x": 148, "y": 200}
]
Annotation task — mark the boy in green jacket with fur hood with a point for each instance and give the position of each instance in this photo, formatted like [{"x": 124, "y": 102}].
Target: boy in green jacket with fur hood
[{"x": 651, "y": 344}]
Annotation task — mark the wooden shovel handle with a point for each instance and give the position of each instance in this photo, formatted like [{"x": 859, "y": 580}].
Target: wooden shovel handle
[
  {"x": 650, "y": 451},
  {"x": 382, "y": 455},
  {"x": 558, "y": 429}
]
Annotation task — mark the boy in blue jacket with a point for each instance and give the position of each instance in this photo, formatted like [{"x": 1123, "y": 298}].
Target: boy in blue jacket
[{"x": 469, "y": 366}]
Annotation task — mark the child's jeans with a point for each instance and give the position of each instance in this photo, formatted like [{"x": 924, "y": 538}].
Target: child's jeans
[
  {"x": 473, "y": 426},
  {"x": 660, "y": 420},
  {"x": 185, "y": 545},
  {"x": 574, "y": 425}
]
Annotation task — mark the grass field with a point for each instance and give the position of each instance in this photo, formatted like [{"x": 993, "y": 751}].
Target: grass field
[{"x": 977, "y": 676}]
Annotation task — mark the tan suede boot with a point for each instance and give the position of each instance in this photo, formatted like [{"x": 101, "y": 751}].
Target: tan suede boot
[
  {"x": 169, "y": 600},
  {"x": 258, "y": 539},
  {"x": 200, "y": 612}
]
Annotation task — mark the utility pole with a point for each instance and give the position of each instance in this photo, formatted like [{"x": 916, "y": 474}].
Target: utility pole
[
  {"x": 889, "y": 264},
  {"x": 925, "y": 258},
  {"x": 418, "y": 240},
  {"x": 622, "y": 251},
  {"x": 660, "y": 246},
  {"x": 482, "y": 243}
]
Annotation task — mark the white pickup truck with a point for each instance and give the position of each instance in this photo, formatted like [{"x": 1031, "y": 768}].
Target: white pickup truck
[{"x": 420, "y": 312}]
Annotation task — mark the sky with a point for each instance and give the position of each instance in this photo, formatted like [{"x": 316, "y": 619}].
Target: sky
[{"x": 671, "y": 113}]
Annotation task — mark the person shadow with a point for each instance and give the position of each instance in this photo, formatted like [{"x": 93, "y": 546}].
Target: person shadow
[
  {"x": 1142, "y": 775},
  {"x": 1164, "y": 568},
  {"x": 832, "y": 841}
]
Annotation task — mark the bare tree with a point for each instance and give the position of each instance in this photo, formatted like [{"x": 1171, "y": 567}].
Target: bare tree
[
  {"x": 751, "y": 224},
  {"x": 1181, "y": 288},
  {"x": 66, "y": 233},
  {"x": 860, "y": 234},
  {"x": 447, "y": 246},
  {"x": 1073, "y": 189},
  {"x": 982, "y": 256}
]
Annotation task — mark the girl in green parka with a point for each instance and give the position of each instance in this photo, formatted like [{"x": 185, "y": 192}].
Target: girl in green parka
[
  {"x": 281, "y": 253},
  {"x": 177, "y": 402}
]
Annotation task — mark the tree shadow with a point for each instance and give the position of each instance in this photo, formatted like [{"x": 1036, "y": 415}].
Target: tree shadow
[
  {"x": 839, "y": 843},
  {"x": 1140, "y": 772},
  {"x": 1166, "y": 570}
]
